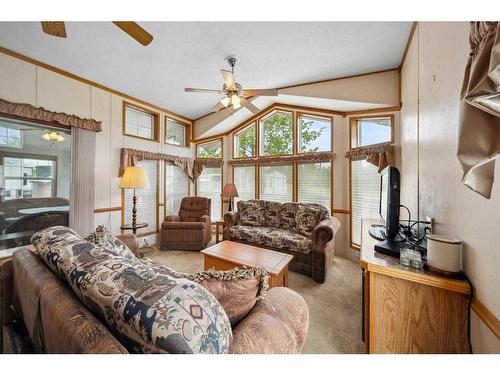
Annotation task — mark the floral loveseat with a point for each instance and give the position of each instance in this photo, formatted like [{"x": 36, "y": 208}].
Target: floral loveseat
[{"x": 304, "y": 230}]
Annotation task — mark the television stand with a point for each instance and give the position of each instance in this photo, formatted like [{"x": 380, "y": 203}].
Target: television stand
[{"x": 391, "y": 247}]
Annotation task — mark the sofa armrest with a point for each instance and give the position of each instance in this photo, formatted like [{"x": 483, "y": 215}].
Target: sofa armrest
[
  {"x": 184, "y": 225},
  {"x": 325, "y": 230},
  {"x": 6, "y": 288},
  {"x": 231, "y": 218},
  {"x": 323, "y": 247},
  {"x": 130, "y": 240},
  {"x": 277, "y": 324},
  {"x": 173, "y": 218}
]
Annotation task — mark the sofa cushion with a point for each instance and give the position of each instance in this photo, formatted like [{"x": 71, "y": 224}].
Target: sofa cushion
[
  {"x": 147, "y": 310},
  {"x": 272, "y": 214},
  {"x": 251, "y": 212},
  {"x": 272, "y": 237},
  {"x": 308, "y": 217},
  {"x": 103, "y": 238},
  {"x": 288, "y": 213}
]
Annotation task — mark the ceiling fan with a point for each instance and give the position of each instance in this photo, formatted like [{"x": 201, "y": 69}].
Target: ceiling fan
[
  {"x": 234, "y": 94},
  {"x": 58, "y": 29}
]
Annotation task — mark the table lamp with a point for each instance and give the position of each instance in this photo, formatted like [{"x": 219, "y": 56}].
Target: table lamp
[
  {"x": 230, "y": 191},
  {"x": 134, "y": 178}
]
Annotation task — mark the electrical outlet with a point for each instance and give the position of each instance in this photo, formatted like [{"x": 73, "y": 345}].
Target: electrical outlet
[{"x": 431, "y": 225}]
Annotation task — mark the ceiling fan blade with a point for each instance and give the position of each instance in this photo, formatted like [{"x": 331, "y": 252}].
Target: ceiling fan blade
[
  {"x": 217, "y": 107},
  {"x": 189, "y": 89},
  {"x": 228, "y": 79},
  {"x": 56, "y": 28},
  {"x": 135, "y": 31},
  {"x": 260, "y": 92},
  {"x": 245, "y": 103}
]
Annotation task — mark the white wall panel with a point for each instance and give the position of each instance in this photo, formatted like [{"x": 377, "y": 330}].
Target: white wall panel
[{"x": 17, "y": 80}]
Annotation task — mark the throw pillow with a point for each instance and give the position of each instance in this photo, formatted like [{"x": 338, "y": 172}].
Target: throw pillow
[
  {"x": 147, "y": 310},
  {"x": 272, "y": 214},
  {"x": 308, "y": 217},
  {"x": 105, "y": 239},
  {"x": 288, "y": 213},
  {"x": 251, "y": 213}
]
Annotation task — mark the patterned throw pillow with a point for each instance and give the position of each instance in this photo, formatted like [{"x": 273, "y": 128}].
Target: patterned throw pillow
[
  {"x": 147, "y": 309},
  {"x": 272, "y": 214},
  {"x": 288, "y": 213},
  {"x": 103, "y": 238},
  {"x": 308, "y": 217},
  {"x": 251, "y": 212}
]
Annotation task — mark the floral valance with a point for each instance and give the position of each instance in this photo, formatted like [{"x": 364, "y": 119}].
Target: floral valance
[
  {"x": 192, "y": 167},
  {"x": 381, "y": 156},
  {"x": 319, "y": 157},
  {"x": 30, "y": 112}
]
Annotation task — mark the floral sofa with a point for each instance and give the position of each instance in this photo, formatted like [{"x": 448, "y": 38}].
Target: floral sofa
[{"x": 304, "y": 230}]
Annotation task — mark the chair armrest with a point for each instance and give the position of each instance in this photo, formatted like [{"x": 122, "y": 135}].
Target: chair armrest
[
  {"x": 185, "y": 225},
  {"x": 173, "y": 218},
  {"x": 325, "y": 230},
  {"x": 277, "y": 324},
  {"x": 206, "y": 219},
  {"x": 231, "y": 218},
  {"x": 130, "y": 240}
]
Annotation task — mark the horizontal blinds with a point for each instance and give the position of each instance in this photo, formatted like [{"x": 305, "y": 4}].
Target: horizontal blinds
[
  {"x": 244, "y": 179},
  {"x": 314, "y": 183},
  {"x": 276, "y": 183},
  {"x": 176, "y": 188},
  {"x": 209, "y": 186},
  {"x": 146, "y": 199},
  {"x": 365, "y": 193}
]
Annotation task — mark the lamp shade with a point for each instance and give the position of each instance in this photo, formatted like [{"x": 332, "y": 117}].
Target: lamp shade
[
  {"x": 134, "y": 178},
  {"x": 229, "y": 190}
]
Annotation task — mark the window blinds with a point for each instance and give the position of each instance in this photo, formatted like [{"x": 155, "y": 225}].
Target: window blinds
[
  {"x": 176, "y": 188},
  {"x": 146, "y": 199},
  {"x": 365, "y": 193},
  {"x": 314, "y": 183},
  {"x": 209, "y": 186},
  {"x": 276, "y": 183},
  {"x": 244, "y": 179}
]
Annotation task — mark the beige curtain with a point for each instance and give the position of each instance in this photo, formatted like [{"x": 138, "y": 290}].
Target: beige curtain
[
  {"x": 380, "y": 156},
  {"x": 479, "y": 132}
]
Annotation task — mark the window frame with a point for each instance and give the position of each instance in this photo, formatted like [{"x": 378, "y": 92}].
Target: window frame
[
  {"x": 241, "y": 130},
  {"x": 157, "y": 205},
  {"x": 156, "y": 121},
  {"x": 354, "y": 129},
  {"x": 165, "y": 194},
  {"x": 353, "y": 134},
  {"x": 220, "y": 193},
  {"x": 260, "y": 133},
  {"x": 297, "y": 141},
  {"x": 210, "y": 140},
  {"x": 187, "y": 131}
]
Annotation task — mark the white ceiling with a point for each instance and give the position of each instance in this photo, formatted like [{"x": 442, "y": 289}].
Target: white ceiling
[{"x": 190, "y": 54}]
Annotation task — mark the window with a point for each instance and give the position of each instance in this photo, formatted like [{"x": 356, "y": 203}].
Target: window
[
  {"x": 140, "y": 123},
  {"x": 315, "y": 134},
  {"x": 176, "y": 188},
  {"x": 365, "y": 192},
  {"x": 176, "y": 133},
  {"x": 10, "y": 137},
  {"x": 147, "y": 200},
  {"x": 314, "y": 183},
  {"x": 211, "y": 149},
  {"x": 245, "y": 143},
  {"x": 276, "y": 132},
  {"x": 244, "y": 179},
  {"x": 276, "y": 183},
  {"x": 371, "y": 131},
  {"x": 209, "y": 185}
]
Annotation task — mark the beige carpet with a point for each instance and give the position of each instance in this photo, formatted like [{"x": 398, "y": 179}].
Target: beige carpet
[{"x": 334, "y": 307}]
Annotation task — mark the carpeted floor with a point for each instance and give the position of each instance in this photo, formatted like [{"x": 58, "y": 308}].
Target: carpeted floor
[{"x": 334, "y": 307}]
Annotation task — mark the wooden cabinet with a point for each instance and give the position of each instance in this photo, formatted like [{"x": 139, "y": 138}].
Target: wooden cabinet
[{"x": 406, "y": 310}]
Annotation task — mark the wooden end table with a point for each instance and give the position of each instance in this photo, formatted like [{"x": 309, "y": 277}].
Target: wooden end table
[
  {"x": 227, "y": 255},
  {"x": 218, "y": 224},
  {"x": 132, "y": 227}
]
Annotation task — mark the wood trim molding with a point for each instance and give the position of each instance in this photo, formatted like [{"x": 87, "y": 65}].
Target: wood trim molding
[
  {"x": 107, "y": 209},
  {"x": 374, "y": 111},
  {"x": 341, "y": 211},
  {"x": 156, "y": 121},
  {"x": 65, "y": 73},
  {"x": 408, "y": 42},
  {"x": 487, "y": 317}
]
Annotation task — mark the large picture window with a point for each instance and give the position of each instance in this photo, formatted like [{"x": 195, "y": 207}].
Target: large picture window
[
  {"x": 140, "y": 122},
  {"x": 245, "y": 142},
  {"x": 315, "y": 134},
  {"x": 369, "y": 131},
  {"x": 276, "y": 133},
  {"x": 244, "y": 179},
  {"x": 176, "y": 188},
  {"x": 147, "y": 200},
  {"x": 212, "y": 149},
  {"x": 209, "y": 185},
  {"x": 314, "y": 183},
  {"x": 276, "y": 183}
]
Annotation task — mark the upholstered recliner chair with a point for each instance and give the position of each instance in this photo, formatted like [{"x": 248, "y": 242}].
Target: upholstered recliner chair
[{"x": 191, "y": 229}]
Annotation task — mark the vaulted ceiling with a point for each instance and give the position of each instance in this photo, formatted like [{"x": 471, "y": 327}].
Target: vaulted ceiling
[{"x": 191, "y": 54}]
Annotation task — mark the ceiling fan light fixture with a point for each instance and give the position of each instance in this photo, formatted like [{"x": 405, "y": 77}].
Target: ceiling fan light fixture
[
  {"x": 53, "y": 136},
  {"x": 236, "y": 101},
  {"x": 225, "y": 101}
]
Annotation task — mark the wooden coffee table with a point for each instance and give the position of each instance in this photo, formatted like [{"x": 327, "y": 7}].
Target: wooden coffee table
[{"x": 228, "y": 254}]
